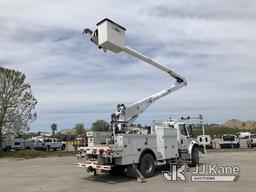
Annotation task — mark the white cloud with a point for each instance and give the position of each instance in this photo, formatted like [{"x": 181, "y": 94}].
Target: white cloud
[{"x": 211, "y": 42}]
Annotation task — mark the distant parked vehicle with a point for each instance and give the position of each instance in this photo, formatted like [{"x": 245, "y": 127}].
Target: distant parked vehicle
[
  {"x": 244, "y": 135},
  {"x": 64, "y": 145},
  {"x": 29, "y": 143},
  {"x": 80, "y": 141},
  {"x": 251, "y": 142},
  {"x": 205, "y": 140},
  {"x": 229, "y": 141},
  {"x": 12, "y": 143},
  {"x": 48, "y": 144}
]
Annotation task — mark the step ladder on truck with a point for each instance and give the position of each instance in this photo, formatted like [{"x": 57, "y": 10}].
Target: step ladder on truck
[{"x": 122, "y": 148}]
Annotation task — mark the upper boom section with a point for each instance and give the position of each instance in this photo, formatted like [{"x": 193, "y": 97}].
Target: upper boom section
[
  {"x": 148, "y": 60},
  {"x": 111, "y": 36}
]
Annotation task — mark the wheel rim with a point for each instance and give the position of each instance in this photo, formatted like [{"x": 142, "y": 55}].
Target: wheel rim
[{"x": 148, "y": 166}]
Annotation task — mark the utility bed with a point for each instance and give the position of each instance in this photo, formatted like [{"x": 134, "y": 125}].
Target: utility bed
[{"x": 128, "y": 148}]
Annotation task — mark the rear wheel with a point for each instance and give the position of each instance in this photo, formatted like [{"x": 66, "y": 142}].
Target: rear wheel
[
  {"x": 63, "y": 147},
  {"x": 47, "y": 148},
  {"x": 8, "y": 149},
  {"x": 147, "y": 165}
]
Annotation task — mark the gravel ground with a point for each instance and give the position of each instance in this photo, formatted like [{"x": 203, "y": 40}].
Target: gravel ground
[{"x": 59, "y": 175}]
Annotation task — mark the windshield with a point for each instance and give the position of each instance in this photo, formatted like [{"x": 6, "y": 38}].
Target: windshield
[
  {"x": 228, "y": 138},
  {"x": 253, "y": 136}
]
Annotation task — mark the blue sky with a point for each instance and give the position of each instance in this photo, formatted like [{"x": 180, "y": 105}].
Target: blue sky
[{"x": 212, "y": 43}]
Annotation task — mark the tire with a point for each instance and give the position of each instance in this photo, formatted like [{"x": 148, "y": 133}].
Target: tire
[
  {"x": 195, "y": 157},
  {"x": 47, "y": 148},
  {"x": 63, "y": 147},
  {"x": 27, "y": 148},
  {"x": 147, "y": 165},
  {"x": 8, "y": 149}
]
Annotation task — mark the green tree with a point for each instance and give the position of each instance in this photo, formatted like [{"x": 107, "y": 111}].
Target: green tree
[
  {"x": 79, "y": 128},
  {"x": 100, "y": 125},
  {"x": 54, "y": 129},
  {"x": 16, "y": 103}
]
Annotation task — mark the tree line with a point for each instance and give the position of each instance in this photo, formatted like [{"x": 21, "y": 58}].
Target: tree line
[{"x": 99, "y": 125}]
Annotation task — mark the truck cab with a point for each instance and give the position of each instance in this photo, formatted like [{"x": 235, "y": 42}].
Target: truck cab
[
  {"x": 188, "y": 147},
  {"x": 184, "y": 132},
  {"x": 184, "y": 136}
]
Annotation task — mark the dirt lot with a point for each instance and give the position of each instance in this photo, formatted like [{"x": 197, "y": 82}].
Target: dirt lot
[{"x": 59, "y": 174}]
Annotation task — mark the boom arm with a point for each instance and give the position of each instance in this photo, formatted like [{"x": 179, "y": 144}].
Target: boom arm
[
  {"x": 133, "y": 111},
  {"x": 129, "y": 114}
]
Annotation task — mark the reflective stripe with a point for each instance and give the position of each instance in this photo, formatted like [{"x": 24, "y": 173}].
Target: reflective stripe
[{"x": 97, "y": 167}]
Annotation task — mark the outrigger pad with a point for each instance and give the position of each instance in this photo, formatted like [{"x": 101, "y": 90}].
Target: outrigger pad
[{"x": 133, "y": 171}]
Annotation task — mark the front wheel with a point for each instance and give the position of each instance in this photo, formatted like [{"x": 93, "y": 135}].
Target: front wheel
[
  {"x": 147, "y": 165},
  {"x": 195, "y": 157}
]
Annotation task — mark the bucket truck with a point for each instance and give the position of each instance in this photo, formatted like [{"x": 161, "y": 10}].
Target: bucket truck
[{"x": 137, "y": 151}]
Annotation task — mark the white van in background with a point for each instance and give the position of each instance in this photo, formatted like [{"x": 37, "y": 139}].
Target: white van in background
[
  {"x": 29, "y": 143},
  {"x": 205, "y": 140},
  {"x": 12, "y": 143},
  {"x": 244, "y": 135}
]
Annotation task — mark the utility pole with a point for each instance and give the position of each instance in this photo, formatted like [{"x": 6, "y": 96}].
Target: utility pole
[{"x": 202, "y": 124}]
